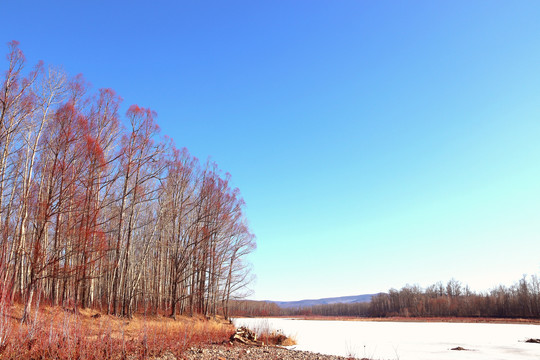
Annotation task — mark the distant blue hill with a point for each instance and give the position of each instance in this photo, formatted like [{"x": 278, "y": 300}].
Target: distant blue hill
[{"x": 335, "y": 300}]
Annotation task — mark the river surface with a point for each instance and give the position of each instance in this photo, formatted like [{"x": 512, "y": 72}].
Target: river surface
[{"x": 406, "y": 340}]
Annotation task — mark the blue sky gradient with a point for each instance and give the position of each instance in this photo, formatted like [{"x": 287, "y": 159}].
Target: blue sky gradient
[{"x": 376, "y": 143}]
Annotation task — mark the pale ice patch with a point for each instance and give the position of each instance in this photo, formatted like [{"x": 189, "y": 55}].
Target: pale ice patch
[{"x": 407, "y": 340}]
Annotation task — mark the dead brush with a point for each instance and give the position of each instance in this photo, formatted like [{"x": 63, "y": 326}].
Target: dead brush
[
  {"x": 6, "y": 325},
  {"x": 277, "y": 338},
  {"x": 272, "y": 337},
  {"x": 54, "y": 333}
]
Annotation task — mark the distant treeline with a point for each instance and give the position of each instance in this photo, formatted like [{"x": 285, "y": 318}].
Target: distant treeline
[
  {"x": 251, "y": 308},
  {"x": 521, "y": 300},
  {"x": 248, "y": 308}
]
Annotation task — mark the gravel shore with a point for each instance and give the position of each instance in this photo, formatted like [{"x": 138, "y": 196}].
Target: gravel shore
[{"x": 223, "y": 352}]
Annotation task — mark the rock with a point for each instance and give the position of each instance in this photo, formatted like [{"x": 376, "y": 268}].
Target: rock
[
  {"x": 459, "y": 348},
  {"x": 533, "y": 341}
]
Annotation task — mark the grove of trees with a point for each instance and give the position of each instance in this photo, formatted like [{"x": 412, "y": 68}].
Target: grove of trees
[{"x": 99, "y": 211}]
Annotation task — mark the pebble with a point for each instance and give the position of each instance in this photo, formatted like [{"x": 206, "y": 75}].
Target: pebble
[{"x": 220, "y": 352}]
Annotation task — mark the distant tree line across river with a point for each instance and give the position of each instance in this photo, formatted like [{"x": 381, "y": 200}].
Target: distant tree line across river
[{"x": 521, "y": 300}]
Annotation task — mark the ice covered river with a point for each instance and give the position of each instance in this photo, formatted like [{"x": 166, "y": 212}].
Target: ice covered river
[{"x": 407, "y": 340}]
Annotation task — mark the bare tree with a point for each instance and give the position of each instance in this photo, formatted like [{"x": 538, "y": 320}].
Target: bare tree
[{"x": 94, "y": 215}]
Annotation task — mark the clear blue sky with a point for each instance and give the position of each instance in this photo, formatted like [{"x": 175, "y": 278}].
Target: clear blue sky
[{"x": 376, "y": 143}]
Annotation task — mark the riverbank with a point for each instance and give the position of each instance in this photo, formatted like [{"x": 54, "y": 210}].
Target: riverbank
[
  {"x": 222, "y": 352},
  {"x": 67, "y": 333}
]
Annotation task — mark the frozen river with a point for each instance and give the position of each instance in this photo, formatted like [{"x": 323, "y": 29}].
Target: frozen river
[{"x": 407, "y": 340}]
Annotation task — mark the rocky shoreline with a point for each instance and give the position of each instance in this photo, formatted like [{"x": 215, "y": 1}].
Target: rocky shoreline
[{"x": 227, "y": 352}]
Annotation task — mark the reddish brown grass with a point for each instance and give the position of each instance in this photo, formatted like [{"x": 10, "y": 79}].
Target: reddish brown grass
[
  {"x": 272, "y": 337},
  {"x": 53, "y": 333}
]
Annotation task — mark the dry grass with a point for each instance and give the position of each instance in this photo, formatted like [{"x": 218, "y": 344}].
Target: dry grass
[
  {"x": 289, "y": 341},
  {"x": 277, "y": 338},
  {"x": 53, "y": 333},
  {"x": 272, "y": 337}
]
